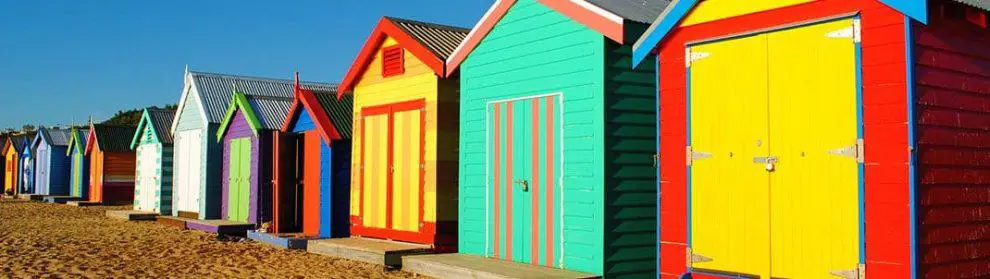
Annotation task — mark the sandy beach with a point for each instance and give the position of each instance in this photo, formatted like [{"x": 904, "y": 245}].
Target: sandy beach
[{"x": 39, "y": 240}]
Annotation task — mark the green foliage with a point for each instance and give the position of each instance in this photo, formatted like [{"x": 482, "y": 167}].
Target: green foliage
[{"x": 131, "y": 117}]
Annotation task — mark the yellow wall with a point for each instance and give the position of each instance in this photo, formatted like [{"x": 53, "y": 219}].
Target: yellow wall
[
  {"x": 712, "y": 10},
  {"x": 10, "y": 177},
  {"x": 418, "y": 82}
]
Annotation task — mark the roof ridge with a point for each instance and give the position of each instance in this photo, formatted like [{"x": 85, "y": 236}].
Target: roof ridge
[
  {"x": 261, "y": 78},
  {"x": 430, "y": 24}
]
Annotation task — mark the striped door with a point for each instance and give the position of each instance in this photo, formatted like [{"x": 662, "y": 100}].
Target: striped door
[
  {"x": 239, "y": 179},
  {"x": 77, "y": 174},
  {"x": 524, "y": 184},
  {"x": 391, "y": 191},
  {"x": 774, "y": 177}
]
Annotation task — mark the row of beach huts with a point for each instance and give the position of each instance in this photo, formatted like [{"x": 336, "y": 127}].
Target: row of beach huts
[{"x": 584, "y": 138}]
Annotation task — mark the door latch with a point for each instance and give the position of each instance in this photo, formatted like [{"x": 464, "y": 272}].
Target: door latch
[
  {"x": 855, "y": 151},
  {"x": 769, "y": 162},
  {"x": 858, "y": 273},
  {"x": 693, "y": 258},
  {"x": 692, "y": 155},
  {"x": 524, "y": 183}
]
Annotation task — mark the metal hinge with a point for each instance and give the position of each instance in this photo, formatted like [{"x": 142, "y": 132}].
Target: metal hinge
[
  {"x": 858, "y": 273},
  {"x": 692, "y": 156},
  {"x": 693, "y": 258},
  {"x": 691, "y": 56},
  {"x": 854, "y": 151},
  {"x": 852, "y": 32},
  {"x": 656, "y": 160}
]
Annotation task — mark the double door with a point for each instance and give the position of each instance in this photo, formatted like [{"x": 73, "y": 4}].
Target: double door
[
  {"x": 392, "y": 171},
  {"x": 524, "y": 186},
  {"x": 188, "y": 168},
  {"x": 774, "y": 153},
  {"x": 239, "y": 179},
  {"x": 148, "y": 181}
]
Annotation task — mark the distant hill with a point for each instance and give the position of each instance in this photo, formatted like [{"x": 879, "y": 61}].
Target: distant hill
[{"x": 130, "y": 117}]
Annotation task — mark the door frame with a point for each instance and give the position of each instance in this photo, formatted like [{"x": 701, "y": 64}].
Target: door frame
[
  {"x": 488, "y": 176},
  {"x": 857, "y": 43},
  {"x": 426, "y": 231}
]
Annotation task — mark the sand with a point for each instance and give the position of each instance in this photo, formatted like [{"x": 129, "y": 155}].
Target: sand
[{"x": 39, "y": 240}]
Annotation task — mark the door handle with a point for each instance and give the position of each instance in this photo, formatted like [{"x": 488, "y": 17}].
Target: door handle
[
  {"x": 769, "y": 162},
  {"x": 524, "y": 183}
]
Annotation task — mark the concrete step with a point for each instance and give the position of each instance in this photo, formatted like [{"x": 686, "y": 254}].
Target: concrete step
[
  {"x": 132, "y": 215},
  {"x": 83, "y": 203},
  {"x": 172, "y": 221},
  {"x": 471, "y": 266},
  {"x": 284, "y": 241},
  {"x": 375, "y": 251},
  {"x": 31, "y": 197},
  {"x": 221, "y": 227},
  {"x": 61, "y": 199}
]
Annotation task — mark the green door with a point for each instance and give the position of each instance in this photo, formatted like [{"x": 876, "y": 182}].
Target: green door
[
  {"x": 524, "y": 161},
  {"x": 77, "y": 174},
  {"x": 238, "y": 180}
]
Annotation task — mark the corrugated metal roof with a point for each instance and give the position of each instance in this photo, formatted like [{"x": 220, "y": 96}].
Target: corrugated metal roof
[
  {"x": 271, "y": 111},
  {"x": 442, "y": 40},
  {"x": 161, "y": 119},
  {"x": 642, "y": 11},
  {"x": 982, "y": 4},
  {"x": 56, "y": 137},
  {"x": 216, "y": 90},
  {"x": 114, "y": 138},
  {"x": 339, "y": 111}
]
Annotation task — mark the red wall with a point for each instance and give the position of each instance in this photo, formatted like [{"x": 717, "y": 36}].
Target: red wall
[
  {"x": 953, "y": 116},
  {"x": 885, "y": 126}
]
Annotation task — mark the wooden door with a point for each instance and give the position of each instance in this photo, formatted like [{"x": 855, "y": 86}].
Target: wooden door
[
  {"x": 77, "y": 174},
  {"x": 524, "y": 180},
  {"x": 42, "y": 165},
  {"x": 147, "y": 177},
  {"x": 774, "y": 177},
  {"x": 10, "y": 177},
  {"x": 391, "y": 191},
  {"x": 310, "y": 171},
  {"x": 188, "y": 168},
  {"x": 96, "y": 176},
  {"x": 239, "y": 179}
]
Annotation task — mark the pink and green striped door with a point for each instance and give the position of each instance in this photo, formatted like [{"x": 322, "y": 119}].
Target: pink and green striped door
[{"x": 524, "y": 180}]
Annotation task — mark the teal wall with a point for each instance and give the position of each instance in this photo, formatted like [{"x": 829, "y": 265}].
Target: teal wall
[
  {"x": 630, "y": 175},
  {"x": 533, "y": 51}
]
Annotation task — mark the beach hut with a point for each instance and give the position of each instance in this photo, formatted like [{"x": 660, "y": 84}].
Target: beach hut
[
  {"x": 111, "y": 172},
  {"x": 153, "y": 177},
  {"x": 79, "y": 173},
  {"x": 313, "y": 166},
  {"x": 247, "y": 133},
  {"x": 12, "y": 156},
  {"x": 197, "y": 152},
  {"x": 3, "y": 161},
  {"x": 823, "y": 139},
  {"x": 26, "y": 183},
  {"x": 52, "y": 165},
  {"x": 405, "y": 123},
  {"x": 557, "y": 137}
]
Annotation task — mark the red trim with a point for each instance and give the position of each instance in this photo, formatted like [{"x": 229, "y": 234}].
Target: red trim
[
  {"x": 387, "y": 29},
  {"x": 422, "y": 171},
  {"x": 535, "y": 190},
  {"x": 590, "y": 19},
  {"x": 91, "y": 141},
  {"x": 407, "y": 236},
  {"x": 497, "y": 173},
  {"x": 550, "y": 179},
  {"x": 612, "y": 30},
  {"x": 393, "y": 61},
  {"x": 277, "y": 177},
  {"x": 360, "y": 183},
  {"x": 307, "y": 99},
  {"x": 480, "y": 31},
  {"x": 508, "y": 180},
  {"x": 390, "y": 169}
]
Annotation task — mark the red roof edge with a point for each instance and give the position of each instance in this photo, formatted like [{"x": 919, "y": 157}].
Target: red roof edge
[
  {"x": 478, "y": 33},
  {"x": 592, "y": 19},
  {"x": 90, "y": 140},
  {"x": 305, "y": 101},
  {"x": 386, "y": 28}
]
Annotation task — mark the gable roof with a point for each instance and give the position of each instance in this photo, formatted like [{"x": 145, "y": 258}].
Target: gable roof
[
  {"x": 431, "y": 43},
  {"x": 15, "y": 142},
  {"x": 52, "y": 136},
  {"x": 157, "y": 120},
  {"x": 261, "y": 112},
  {"x": 331, "y": 115},
  {"x": 77, "y": 140},
  {"x": 607, "y": 17},
  {"x": 110, "y": 138},
  {"x": 679, "y": 9},
  {"x": 213, "y": 92}
]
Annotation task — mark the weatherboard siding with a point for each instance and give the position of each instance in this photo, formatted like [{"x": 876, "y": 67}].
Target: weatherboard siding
[
  {"x": 239, "y": 129},
  {"x": 59, "y": 171},
  {"x": 533, "y": 51},
  {"x": 630, "y": 177},
  {"x": 190, "y": 117},
  {"x": 953, "y": 117}
]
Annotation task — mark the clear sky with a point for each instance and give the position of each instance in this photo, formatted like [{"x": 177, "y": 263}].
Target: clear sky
[{"x": 69, "y": 59}]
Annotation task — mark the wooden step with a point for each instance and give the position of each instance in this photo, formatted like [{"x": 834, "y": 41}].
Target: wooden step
[
  {"x": 284, "y": 241},
  {"x": 221, "y": 227},
  {"x": 61, "y": 199},
  {"x": 375, "y": 251},
  {"x": 132, "y": 215},
  {"x": 471, "y": 266},
  {"x": 172, "y": 221},
  {"x": 31, "y": 197}
]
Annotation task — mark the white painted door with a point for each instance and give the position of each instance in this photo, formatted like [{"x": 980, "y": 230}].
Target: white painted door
[
  {"x": 149, "y": 177},
  {"x": 188, "y": 162}
]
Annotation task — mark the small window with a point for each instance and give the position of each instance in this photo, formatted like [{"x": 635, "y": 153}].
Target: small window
[{"x": 393, "y": 61}]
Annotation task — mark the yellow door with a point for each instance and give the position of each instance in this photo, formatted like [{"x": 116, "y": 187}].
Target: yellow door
[
  {"x": 375, "y": 170},
  {"x": 406, "y": 175},
  {"x": 774, "y": 170},
  {"x": 729, "y": 193},
  {"x": 814, "y": 197}
]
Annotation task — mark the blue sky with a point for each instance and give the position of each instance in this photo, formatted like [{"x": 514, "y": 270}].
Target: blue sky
[{"x": 70, "y": 59}]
